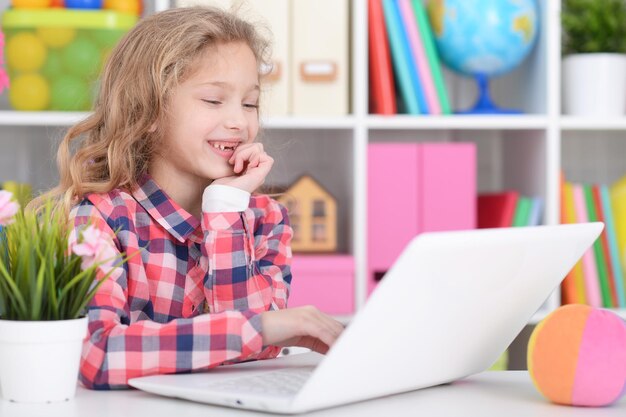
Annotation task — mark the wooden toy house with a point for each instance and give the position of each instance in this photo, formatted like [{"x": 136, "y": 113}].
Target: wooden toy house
[{"x": 313, "y": 216}]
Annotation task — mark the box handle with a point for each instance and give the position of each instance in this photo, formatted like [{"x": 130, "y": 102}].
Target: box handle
[{"x": 318, "y": 71}]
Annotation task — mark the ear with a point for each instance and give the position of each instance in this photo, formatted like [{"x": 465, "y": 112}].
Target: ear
[{"x": 153, "y": 128}]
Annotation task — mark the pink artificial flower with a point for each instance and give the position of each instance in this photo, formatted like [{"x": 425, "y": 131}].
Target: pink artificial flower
[
  {"x": 4, "y": 80},
  {"x": 8, "y": 208},
  {"x": 95, "y": 247}
]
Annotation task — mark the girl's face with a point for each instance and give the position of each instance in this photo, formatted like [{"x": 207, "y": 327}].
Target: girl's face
[{"x": 211, "y": 113}]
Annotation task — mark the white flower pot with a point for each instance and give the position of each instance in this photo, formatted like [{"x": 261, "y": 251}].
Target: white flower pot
[
  {"x": 594, "y": 85},
  {"x": 39, "y": 360}
]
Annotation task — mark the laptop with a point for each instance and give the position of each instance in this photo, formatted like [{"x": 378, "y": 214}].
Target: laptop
[{"x": 449, "y": 306}]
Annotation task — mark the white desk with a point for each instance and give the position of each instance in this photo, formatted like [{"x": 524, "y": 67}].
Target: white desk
[{"x": 490, "y": 394}]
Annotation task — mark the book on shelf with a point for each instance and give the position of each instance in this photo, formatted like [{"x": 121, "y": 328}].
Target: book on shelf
[
  {"x": 434, "y": 63},
  {"x": 597, "y": 249},
  {"x": 496, "y": 209},
  {"x": 400, "y": 57},
  {"x": 508, "y": 209},
  {"x": 573, "y": 286},
  {"x": 535, "y": 217},
  {"x": 423, "y": 83},
  {"x": 419, "y": 83},
  {"x": 522, "y": 212},
  {"x": 599, "y": 282},
  {"x": 609, "y": 223},
  {"x": 604, "y": 246},
  {"x": 590, "y": 273},
  {"x": 617, "y": 193},
  {"x": 382, "y": 90}
]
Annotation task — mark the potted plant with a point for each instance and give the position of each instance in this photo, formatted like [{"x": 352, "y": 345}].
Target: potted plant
[
  {"x": 594, "y": 57},
  {"x": 44, "y": 290}
]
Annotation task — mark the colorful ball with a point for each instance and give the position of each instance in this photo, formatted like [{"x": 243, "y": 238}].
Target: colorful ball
[
  {"x": 53, "y": 65},
  {"x": 81, "y": 58},
  {"x": 29, "y": 92},
  {"x": 25, "y": 52},
  {"x": 30, "y": 4},
  {"x": 69, "y": 93},
  {"x": 107, "y": 38},
  {"x": 56, "y": 37},
  {"x": 83, "y": 4},
  {"x": 123, "y": 6},
  {"x": 577, "y": 356}
]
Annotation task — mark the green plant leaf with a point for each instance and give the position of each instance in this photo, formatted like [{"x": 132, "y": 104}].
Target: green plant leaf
[{"x": 593, "y": 26}]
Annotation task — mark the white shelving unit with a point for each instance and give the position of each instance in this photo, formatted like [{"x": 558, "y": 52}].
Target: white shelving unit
[{"x": 525, "y": 152}]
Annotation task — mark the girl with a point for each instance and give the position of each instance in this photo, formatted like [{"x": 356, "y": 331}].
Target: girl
[{"x": 167, "y": 165}]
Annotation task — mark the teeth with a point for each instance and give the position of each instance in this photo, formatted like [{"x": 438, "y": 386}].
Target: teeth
[{"x": 222, "y": 147}]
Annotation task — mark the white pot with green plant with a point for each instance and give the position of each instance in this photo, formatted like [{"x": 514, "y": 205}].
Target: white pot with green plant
[
  {"x": 594, "y": 57},
  {"x": 44, "y": 290}
]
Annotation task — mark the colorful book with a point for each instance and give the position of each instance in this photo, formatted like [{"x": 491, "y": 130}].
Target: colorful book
[
  {"x": 590, "y": 272},
  {"x": 399, "y": 57},
  {"x": 382, "y": 91},
  {"x": 496, "y": 209},
  {"x": 522, "y": 212},
  {"x": 411, "y": 61},
  {"x": 618, "y": 207},
  {"x": 613, "y": 249},
  {"x": 597, "y": 249},
  {"x": 420, "y": 59},
  {"x": 604, "y": 243},
  {"x": 536, "y": 209},
  {"x": 426, "y": 33},
  {"x": 573, "y": 287}
]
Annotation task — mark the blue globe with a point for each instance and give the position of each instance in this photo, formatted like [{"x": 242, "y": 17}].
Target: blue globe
[{"x": 483, "y": 37}]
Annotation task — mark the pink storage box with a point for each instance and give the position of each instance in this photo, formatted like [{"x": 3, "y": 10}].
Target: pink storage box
[
  {"x": 325, "y": 281},
  {"x": 415, "y": 188}
]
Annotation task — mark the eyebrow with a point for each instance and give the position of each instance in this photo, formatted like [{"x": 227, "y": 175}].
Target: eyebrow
[{"x": 226, "y": 85}]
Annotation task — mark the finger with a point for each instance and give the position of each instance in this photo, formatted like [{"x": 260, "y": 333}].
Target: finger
[
  {"x": 314, "y": 344},
  {"x": 238, "y": 150},
  {"x": 333, "y": 326},
  {"x": 244, "y": 154},
  {"x": 254, "y": 161},
  {"x": 320, "y": 328}
]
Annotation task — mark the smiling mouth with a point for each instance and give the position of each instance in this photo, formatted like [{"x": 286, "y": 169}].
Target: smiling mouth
[{"x": 224, "y": 146}]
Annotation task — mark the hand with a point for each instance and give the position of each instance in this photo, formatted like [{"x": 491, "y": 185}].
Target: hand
[
  {"x": 302, "y": 326},
  {"x": 251, "y": 166}
]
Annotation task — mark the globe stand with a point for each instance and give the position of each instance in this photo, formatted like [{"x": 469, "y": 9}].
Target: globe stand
[{"x": 484, "y": 104}]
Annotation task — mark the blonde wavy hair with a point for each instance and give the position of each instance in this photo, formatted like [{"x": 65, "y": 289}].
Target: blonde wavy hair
[{"x": 112, "y": 147}]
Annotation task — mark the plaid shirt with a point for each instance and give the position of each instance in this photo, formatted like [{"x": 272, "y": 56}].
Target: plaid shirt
[{"x": 149, "y": 316}]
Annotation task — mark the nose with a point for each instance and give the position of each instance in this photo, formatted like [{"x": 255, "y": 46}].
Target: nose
[{"x": 235, "y": 118}]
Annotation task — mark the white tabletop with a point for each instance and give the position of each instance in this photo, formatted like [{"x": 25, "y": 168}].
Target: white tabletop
[{"x": 501, "y": 394}]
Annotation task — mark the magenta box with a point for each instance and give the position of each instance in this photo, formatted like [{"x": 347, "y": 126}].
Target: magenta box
[{"x": 325, "y": 281}]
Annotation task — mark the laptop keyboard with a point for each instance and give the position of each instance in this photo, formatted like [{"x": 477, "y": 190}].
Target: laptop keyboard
[{"x": 286, "y": 381}]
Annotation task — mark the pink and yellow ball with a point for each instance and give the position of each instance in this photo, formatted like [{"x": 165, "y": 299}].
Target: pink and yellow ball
[{"x": 577, "y": 356}]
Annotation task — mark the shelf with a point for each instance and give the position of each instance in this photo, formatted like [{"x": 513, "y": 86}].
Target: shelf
[
  {"x": 343, "y": 122},
  {"x": 40, "y": 118},
  {"x": 592, "y": 123},
  {"x": 60, "y": 118},
  {"x": 457, "y": 122}
]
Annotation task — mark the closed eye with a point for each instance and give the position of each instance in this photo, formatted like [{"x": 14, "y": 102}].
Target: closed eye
[
  {"x": 251, "y": 106},
  {"x": 214, "y": 102}
]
